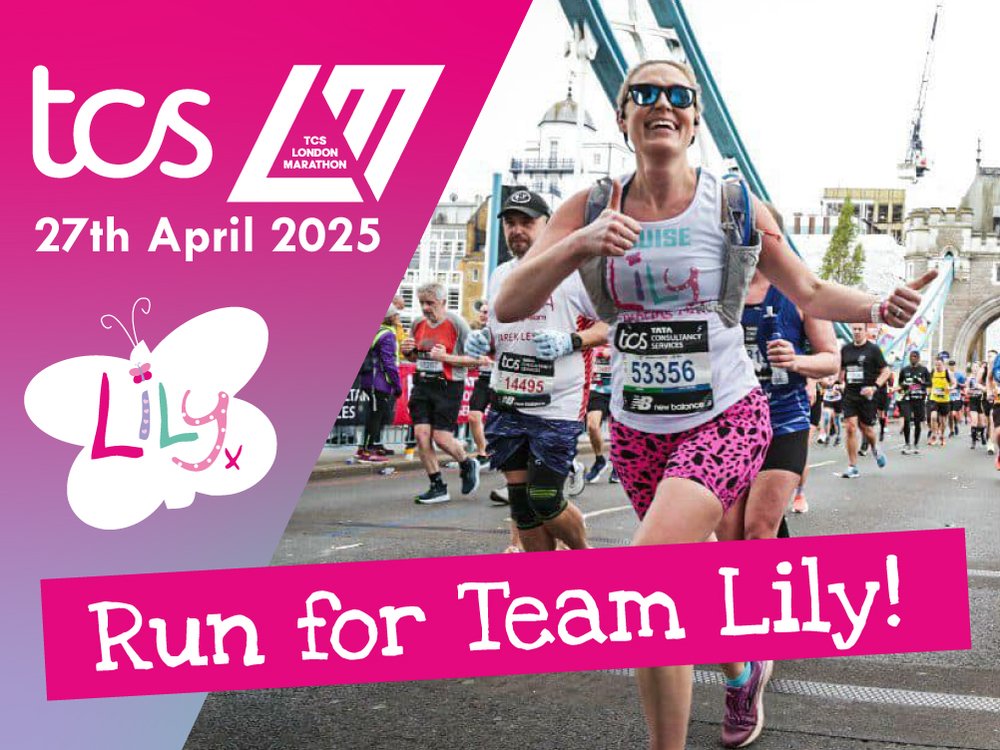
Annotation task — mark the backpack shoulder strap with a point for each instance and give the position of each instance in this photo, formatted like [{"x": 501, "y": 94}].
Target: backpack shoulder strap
[
  {"x": 593, "y": 273},
  {"x": 597, "y": 200},
  {"x": 736, "y": 206},
  {"x": 743, "y": 244}
]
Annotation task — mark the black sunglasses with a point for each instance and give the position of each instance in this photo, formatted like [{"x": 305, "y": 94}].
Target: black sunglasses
[{"x": 647, "y": 94}]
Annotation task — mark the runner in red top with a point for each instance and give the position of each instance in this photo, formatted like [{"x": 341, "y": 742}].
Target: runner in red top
[{"x": 437, "y": 344}]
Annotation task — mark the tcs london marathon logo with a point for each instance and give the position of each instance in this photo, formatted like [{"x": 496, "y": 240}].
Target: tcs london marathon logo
[
  {"x": 369, "y": 111},
  {"x": 159, "y": 426}
]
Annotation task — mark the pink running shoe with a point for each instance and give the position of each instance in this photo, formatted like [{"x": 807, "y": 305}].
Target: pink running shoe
[{"x": 745, "y": 707}]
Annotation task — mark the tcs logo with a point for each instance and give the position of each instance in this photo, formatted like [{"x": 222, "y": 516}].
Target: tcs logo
[
  {"x": 633, "y": 341},
  {"x": 168, "y": 117}
]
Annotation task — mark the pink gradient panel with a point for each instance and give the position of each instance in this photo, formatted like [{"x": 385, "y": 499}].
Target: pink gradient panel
[
  {"x": 778, "y": 599},
  {"x": 320, "y": 307}
]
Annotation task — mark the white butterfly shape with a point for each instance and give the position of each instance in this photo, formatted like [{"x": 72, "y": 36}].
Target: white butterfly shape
[{"x": 162, "y": 425}]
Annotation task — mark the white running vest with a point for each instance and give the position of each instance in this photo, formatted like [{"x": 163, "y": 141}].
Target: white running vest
[
  {"x": 675, "y": 364},
  {"x": 547, "y": 389}
]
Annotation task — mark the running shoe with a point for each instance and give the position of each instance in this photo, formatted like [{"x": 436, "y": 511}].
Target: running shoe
[
  {"x": 745, "y": 707},
  {"x": 821, "y": 440},
  {"x": 438, "y": 493},
  {"x": 863, "y": 452},
  {"x": 836, "y": 440},
  {"x": 383, "y": 451},
  {"x": 799, "y": 504},
  {"x": 500, "y": 496},
  {"x": 990, "y": 448},
  {"x": 576, "y": 481},
  {"x": 370, "y": 457},
  {"x": 613, "y": 479},
  {"x": 907, "y": 450},
  {"x": 469, "y": 471},
  {"x": 483, "y": 460},
  {"x": 595, "y": 471},
  {"x": 880, "y": 459},
  {"x": 851, "y": 473}
]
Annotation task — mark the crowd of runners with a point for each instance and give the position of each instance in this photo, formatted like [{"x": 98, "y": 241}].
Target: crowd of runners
[{"x": 665, "y": 315}]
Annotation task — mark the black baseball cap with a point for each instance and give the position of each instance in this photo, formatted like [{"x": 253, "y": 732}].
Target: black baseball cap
[{"x": 528, "y": 203}]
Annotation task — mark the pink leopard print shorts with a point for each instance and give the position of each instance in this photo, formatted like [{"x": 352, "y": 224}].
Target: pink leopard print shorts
[{"x": 724, "y": 454}]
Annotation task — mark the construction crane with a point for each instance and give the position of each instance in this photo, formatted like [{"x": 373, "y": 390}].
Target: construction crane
[{"x": 915, "y": 165}]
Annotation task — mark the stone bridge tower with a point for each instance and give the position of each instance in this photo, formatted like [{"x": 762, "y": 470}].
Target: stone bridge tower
[{"x": 971, "y": 234}]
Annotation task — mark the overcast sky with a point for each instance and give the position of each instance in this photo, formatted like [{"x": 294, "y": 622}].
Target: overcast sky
[{"x": 821, "y": 93}]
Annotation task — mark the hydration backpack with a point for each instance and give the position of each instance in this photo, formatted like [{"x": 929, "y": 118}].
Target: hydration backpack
[{"x": 743, "y": 243}]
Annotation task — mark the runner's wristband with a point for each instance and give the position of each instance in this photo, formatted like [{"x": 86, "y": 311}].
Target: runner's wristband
[
  {"x": 577, "y": 341},
  {"x": 878, "y": 310}
]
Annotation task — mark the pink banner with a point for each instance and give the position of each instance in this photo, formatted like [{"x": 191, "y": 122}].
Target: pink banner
[{"x": 496, "y": 614}]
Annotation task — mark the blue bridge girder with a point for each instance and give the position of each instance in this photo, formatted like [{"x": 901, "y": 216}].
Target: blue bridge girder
[{"x": 610, "y": 67}]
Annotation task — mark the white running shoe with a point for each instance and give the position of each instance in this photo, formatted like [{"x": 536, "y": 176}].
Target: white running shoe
[{"x": 576, "y": 481}]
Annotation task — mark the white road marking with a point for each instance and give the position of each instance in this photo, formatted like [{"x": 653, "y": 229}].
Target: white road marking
[
  {"x": 860, "y": 693},
  {"x": 984, "y": 573},
  {"x": 821, "y": 463},
  {"x": 594, "y": 513}
]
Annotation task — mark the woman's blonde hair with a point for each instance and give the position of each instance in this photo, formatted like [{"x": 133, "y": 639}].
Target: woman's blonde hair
[{"x": 684, "y": 68}]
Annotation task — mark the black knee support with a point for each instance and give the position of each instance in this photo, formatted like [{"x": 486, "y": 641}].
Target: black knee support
[
  {"x": 520, "y": 508},
  {"x": 545, "y": 491}
]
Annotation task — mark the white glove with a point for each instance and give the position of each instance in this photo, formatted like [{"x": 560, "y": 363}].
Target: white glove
[
  {"x": 478, "y": 343},
  {"x": 552, "y": 344}
]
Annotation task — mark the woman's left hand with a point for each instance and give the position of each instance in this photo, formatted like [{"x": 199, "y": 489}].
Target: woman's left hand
[{"x": 900, "y": 307}]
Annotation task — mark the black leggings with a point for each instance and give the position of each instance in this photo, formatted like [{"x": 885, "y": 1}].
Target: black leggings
[
  {"x": 377, "y": 416},
  {"x": 913, "y": 411}
]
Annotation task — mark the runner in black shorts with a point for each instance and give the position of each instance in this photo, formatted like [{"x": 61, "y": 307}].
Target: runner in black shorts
[
  {"x": 975, "y": 383},
  {"x": 993, "y": 394},
  {"x": 883, "y": 400},
  {"x": 598, "y": 407},
  {"x": 940, "y": 403},
  {"x": 816, "y": 404},
  {"x": 787, "y": 348},
  {"x": 480, "y": 398},
  {"x": 863, "y": 370},
  {"x": 437, "y": 344},
  {"x": 833, "y": 408}
]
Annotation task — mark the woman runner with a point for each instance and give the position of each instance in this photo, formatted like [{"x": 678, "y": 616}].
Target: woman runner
[{"x": 684, "y": 454}]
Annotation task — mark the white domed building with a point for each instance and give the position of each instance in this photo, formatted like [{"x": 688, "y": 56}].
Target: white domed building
[{"x": 548, "y": 165}]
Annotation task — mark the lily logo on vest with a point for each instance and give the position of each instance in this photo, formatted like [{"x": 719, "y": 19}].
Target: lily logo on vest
[
  {"x": 167, "y": 118},
  {"x": 362, "y": 129}
]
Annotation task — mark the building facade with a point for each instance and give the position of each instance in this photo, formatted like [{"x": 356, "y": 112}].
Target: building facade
[
  {"x": 878, "y": 210},
  {"x": 440, "y": 256},
  {"x": 547, "y": 165},
  {"x": 969, "y": 233},
  {"x": 881, "y": 240}
]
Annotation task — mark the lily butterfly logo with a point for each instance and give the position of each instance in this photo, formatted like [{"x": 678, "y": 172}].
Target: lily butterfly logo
[{"x": 163, "y": 424}]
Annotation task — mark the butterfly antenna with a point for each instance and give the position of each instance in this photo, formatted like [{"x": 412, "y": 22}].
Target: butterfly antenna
[
  {"x": 107, "y": 326},
  {"x": 145, "y": 311}
]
